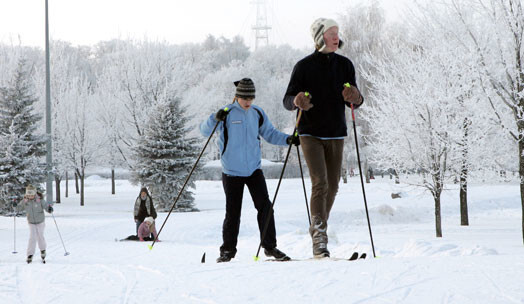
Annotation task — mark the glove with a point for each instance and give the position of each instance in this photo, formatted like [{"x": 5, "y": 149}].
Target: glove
[
  {"x": 352, "y": 95},
  {"x": 302, "y": 101},
  {"x": 221, "y": 115},
  {"x": 50, "y": 209},
  {"x": 293, "y": 139}
]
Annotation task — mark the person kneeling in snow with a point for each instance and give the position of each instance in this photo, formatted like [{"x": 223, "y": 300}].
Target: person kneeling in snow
[
  {"x": 240, "y": 124},
  {"x": 35, "y": 205},
  {"x": 146, "y": 229}
]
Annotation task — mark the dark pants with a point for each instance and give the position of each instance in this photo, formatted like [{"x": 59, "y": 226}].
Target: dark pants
[
  {"x": 324, "y": 161},
  {"x": 234, "y": 190}
]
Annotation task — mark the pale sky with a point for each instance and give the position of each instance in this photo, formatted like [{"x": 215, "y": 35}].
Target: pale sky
[{"x": 86, "y": 22}]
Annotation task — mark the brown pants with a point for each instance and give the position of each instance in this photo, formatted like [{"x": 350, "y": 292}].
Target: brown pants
[{"x": 324, "y": 160}]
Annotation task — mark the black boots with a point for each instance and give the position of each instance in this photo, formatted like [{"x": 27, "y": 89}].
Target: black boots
[
  {"x": 225, "y": 256},
  {"x": 277, "y": 254}
]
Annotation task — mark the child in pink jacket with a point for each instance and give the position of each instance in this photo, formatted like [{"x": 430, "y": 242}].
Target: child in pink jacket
[{"x": 146, "y": 229}]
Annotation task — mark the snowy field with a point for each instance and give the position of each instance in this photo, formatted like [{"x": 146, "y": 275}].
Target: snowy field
[{"x": 482, "y": 263}]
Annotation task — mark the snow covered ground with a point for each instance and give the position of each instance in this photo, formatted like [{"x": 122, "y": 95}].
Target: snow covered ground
[{"x": 482, "y": 263}]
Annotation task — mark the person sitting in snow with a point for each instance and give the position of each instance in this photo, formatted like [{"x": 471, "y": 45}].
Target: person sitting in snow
[
  {"x": 143, "y": 207},
  {"x": 146, "y": 229},
  {"x": 34, "y": 205},
  {"x": 240, "y": 124}
]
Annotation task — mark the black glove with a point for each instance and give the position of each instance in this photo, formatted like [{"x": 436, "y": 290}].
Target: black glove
[
  {"x": 221, "y": 115},
  {"x": 293, "y": 139},
  {"x": 50, "y": 209}
]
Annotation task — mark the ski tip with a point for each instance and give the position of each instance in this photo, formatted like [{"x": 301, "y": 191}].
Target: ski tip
[
  {"x": 203, "y": 260},
  {"x": 255, "y": 258},
  {"x": 150, "y": 247},
  {"x": 347, "y": 85}
]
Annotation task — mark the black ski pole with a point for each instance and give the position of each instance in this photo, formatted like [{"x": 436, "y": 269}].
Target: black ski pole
[
  {"x": 185, "y": 183},
  {"x": 60, "y": 235},
  {"x": 303, "y": 185},
  {"x": 14, "y": 230},
  {"x": 270, "y": 213},
  {"x": 361, "y": 177}
]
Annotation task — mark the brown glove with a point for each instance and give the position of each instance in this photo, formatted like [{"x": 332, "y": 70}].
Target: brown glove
[
  {"x": 352, "y": 95},
  {"x": 302, "y": 101}
]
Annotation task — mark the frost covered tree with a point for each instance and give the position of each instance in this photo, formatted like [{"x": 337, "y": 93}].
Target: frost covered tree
[
  {"x": 82, "y": 143},
  {"x": 415, "y": 121},
  {"x": 164, "y": 155},
  {"x": 364, "y": 30},
  {"x": 21, "y": 147},
  {"x": 495, "y": 29}
]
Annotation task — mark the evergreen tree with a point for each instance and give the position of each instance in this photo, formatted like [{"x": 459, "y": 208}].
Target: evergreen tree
[
  {"x": 164, "y": 156},
  {"x": 21, "y": 148}
]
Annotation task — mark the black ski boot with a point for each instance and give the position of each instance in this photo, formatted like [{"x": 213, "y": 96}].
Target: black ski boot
[
  {"x": 42, "y": 255},
  {"x": 277, "y": 254},
  {"x": 225, "y": 256},
  {"x": 29, "y": 259}
]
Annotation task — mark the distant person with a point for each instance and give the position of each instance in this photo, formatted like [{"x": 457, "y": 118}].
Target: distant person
[
  {"x": 34, "y": 205},
  {"x": 144, "y": 207},
  {"x": 322, "y": 127},
  {"x": 240, "y": 127}
]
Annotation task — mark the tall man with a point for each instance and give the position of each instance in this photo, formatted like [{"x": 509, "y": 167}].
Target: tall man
[{"x": 317, "y": 87}]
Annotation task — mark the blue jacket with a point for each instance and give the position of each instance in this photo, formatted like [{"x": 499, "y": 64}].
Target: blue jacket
[{"x": 242, "y": 155}]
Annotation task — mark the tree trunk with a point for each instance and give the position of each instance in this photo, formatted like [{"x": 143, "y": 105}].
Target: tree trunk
[
  {"x": 76, "y": 181},
  {"x": 57, "y": 188},
  {"x": 464, "y": 221},
  {"x": 81, "y": 176},
  {"x": 112, "y": 181},
  {"x": 397, "y": 178},
  {"x": 366, "y": 171},
  {"x": 67, "y": 184},
  {"x": 521, "y": 172},
  {"x": 436, "y": 196},
  {"x": 438, "y": 220}
]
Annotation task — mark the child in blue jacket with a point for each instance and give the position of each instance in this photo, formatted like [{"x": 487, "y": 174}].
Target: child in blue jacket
[{"x": 240, "y": 128}]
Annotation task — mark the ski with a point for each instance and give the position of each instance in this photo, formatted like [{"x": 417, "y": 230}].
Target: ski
[{"x": 355, "y": 256}]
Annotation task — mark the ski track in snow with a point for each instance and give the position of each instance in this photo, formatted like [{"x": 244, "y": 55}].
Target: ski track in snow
[{"x": 474, "y": 264}]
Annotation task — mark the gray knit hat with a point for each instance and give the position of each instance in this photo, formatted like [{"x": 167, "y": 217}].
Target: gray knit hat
[
  {"x": 318, "y": 28},
  {"x": 245, "y": 88}
]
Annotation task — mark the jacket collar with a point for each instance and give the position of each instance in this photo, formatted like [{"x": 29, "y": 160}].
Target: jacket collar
[{"x": 324, "y": 58}]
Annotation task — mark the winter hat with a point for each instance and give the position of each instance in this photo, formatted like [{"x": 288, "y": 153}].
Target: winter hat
[
  {"x": 318, "y": 28},
  {"x": 245, "y": 88},
  {"x": 150, "y": 220},
  {"x": 30, "y": 190}
]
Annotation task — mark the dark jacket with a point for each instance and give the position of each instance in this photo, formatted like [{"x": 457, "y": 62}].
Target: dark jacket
[
  {"x": 144, "y": 208},
  {"x": 323, "y": 76}
]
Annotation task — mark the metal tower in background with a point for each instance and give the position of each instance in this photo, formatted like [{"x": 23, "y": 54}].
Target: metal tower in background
[{"x": 261, "y": 28}]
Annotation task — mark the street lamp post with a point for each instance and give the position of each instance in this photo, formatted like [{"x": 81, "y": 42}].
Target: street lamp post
[{"x": 49, "y": 155}]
